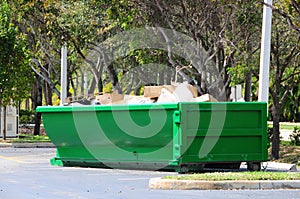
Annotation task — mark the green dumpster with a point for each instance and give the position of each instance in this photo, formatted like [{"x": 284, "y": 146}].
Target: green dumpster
[{"x": 178, "y": 136}]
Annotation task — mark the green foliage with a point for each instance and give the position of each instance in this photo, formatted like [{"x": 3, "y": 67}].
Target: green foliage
[
  {"x": 15, "y": 75},
  {"x": 26, "y": 116},
  {"x": 295, "y": 136},
  {"x": 285, "y": 143},
  {"x": 238, "y": 73},
  {"x": 80, "y": 25},
  {"x": 290, "y": 11},
  {"x": 108, "y": 88}
]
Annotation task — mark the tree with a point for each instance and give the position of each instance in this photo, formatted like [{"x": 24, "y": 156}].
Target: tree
[
  {"x": 290, "y": 11},
  {"x": 285, "y": 70},
  {"x": 284, "y": 65},
  {"x": 227, "y": 30},
  {"x": 15, "y": 75},
  {"x": 80, "y": 25}
]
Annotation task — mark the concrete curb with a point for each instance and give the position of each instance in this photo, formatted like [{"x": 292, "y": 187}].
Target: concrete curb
[
  {"x": 159, "y": 183},
  {"x": 28, "y": 145},
  {"x": 5, "y": 145}
]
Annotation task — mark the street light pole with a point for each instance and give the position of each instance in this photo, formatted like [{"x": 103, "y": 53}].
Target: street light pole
[
  {"x": 63, "y": 75},
  {"x": 263, "y": 92}
]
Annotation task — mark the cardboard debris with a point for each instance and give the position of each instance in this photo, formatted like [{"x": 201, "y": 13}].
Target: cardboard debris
[
  {"x": 111, "y": 98},
  {"x": 76, "y": 101},
  {"x": 170, "y": 88},
  {"x": 193, "y": 90},
  {"x": 155, "y": 91},
  {"x": 152, "y": 91},
  {"x": 185, "y": 85},
  {"x": 183, "y": 93},
  {"x": 179, "y": 92},
  {"x": 133, "y": 99},
  {"x": 205, "y": 98},
  {"x": 166, "y": 96}
]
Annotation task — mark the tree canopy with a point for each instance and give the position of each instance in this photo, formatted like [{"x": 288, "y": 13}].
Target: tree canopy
[{"x": 15, "y": 75}]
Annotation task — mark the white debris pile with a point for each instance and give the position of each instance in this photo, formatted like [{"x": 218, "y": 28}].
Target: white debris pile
[{"x": 179, "y": 92}]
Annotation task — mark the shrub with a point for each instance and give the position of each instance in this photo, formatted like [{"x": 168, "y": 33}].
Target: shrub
[
  {"x": 26, "y": 116},
  {"x": 295, "y": 136}
]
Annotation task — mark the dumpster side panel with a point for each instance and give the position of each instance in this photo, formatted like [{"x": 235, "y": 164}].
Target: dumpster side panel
[
  {"x": 223, "y": 132},
  {"x": 61, "y": 130},
  {"x": 111, "y": 135}
]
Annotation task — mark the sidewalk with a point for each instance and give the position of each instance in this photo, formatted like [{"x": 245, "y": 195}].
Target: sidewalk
[
  {"x": 28, "y": 145},
  {"x": 159, "y": 183}
]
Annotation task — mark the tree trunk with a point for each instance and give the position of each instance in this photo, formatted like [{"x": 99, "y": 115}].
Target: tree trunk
[
  {"x": 168, "y": 78},
  {"x": 4, "y": 122},
  {"x": 100, "y": 85},
  {"x": 114, "y": 78},
  {"x": 130, "y": 85},
  {"x": 68, "y": 85},
  {"x": 0, "y": 115},
  {"x": 27, "y": 104},
  {"x": 81, "y": 83},
  {"x": 47, "y": 94},
  {"x": 137, "y": 90},
  {"x": 33, "y": 96},
  {"x": 276, "y": 134},
  {"x": 248, "y": 87},
  {"x": 38, "y": 116},
  {"x": 92, "y": 87}
]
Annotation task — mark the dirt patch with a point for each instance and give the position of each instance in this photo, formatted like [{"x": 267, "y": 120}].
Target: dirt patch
[
  {"x": 288, "y": 154},
  {"x": 30, "y": 130}
]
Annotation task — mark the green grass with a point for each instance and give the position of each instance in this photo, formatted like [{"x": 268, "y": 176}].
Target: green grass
[
  {"x": 288, "y": 126},
  {"x": 28, "y": 138},
  {"x": 259, "y": 175},
  {"x": 285, "y": 126}
]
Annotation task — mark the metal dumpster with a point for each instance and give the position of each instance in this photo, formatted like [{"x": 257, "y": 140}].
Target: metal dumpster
[{"x": 178, "y": 136}]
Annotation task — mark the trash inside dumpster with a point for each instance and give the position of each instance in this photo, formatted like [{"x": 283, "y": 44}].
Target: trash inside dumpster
[{"x": 181, "y": 136}]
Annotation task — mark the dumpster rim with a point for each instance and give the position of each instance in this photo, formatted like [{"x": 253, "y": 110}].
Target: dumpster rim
[
  {"x": 42, "y": 109},
  {"x": 172, "y": 105}
]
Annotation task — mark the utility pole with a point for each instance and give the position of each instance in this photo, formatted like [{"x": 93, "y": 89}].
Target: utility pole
[
  {"x": 63, "y": 76},
  {"x": 263, "y": 92},
  {"x": 85, "y": 85}
]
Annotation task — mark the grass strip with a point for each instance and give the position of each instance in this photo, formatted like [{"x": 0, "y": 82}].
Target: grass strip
[
  {"x": 285, "y": 126},
  {"x": 24, "y": 138},
  {"x": 258, "y": 175}
]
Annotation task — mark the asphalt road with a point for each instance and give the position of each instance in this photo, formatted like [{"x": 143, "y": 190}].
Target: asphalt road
[{"x": 26, "y": 173}]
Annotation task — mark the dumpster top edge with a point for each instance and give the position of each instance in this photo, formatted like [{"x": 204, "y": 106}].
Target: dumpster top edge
[
  {"x": 133, "y": 106},
  {"x": 106, "y": 107}
]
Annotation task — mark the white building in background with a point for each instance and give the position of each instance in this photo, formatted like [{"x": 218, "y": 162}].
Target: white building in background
[
  {"x": 11, "y": 121},
  {"x": 236, "y": 93}
]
